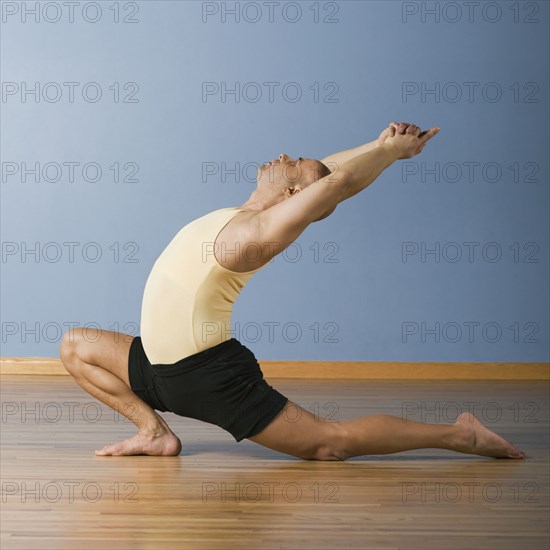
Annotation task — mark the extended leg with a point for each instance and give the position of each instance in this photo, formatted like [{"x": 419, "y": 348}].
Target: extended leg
[
  {"x": 382, "y": 434},
  {"x": 297, "y": 432},
  {"x": 99, "y": 364}
]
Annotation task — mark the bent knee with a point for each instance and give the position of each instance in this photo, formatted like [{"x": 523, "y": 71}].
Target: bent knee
[
  {"x": 68, "y": 349},
  {"x": 334, "y": 446}
]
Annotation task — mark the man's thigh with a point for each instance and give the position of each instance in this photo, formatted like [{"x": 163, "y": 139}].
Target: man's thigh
[
  {"x": 297, "y": 432},
  {"x": 104, "y": 348}
]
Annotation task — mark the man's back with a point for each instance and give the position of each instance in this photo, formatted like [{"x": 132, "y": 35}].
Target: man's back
[{"x": 189, "y": 295}]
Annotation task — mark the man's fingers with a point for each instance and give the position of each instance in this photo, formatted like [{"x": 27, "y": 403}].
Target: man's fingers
[
  {"x": 400, "y": 126},
  {"x": 412, "y": 129},
  {"x": 429, "y": 134}
]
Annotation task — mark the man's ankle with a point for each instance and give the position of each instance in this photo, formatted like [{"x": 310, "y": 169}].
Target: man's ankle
[{"x": 154, "y": 429}]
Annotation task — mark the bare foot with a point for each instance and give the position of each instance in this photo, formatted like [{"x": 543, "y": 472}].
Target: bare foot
[
  {"x": 479, "y": 440},
  {"x": 164, "y": 444}
]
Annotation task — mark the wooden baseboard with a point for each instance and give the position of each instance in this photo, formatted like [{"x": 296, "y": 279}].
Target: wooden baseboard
[{"x": 361, "y": 370}]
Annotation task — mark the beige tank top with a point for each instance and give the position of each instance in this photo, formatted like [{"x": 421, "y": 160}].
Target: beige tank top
[{"x": 188, "y": 297}]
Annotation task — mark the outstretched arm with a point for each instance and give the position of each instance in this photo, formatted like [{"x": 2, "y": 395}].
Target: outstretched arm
[
  {"x": 337, "y": 159},
  {"x": 286, "y": 220}
]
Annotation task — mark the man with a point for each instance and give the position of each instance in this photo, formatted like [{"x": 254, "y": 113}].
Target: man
[{"x": 185, "y": 360}]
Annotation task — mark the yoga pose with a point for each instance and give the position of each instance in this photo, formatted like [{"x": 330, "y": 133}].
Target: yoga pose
[{"x": 186, "y": 361}]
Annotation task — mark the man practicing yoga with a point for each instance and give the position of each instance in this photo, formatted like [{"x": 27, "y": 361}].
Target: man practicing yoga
[{"x": 186, "y": 361}]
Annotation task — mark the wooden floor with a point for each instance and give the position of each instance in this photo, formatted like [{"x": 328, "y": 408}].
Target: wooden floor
[{"x": 218, "y": 494}]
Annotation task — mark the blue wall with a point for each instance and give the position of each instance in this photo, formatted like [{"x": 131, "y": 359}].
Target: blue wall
[{"x": 366, "y": 287}]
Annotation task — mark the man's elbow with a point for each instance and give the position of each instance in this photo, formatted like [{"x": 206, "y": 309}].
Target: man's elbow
[
  {"x": 341, "y": 182},
  {"x": 326, "y": 214}
]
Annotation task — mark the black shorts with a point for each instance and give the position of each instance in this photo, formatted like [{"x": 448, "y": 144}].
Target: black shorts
[{"x": 222, "y": 385}]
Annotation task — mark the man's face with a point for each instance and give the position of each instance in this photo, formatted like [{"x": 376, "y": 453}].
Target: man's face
[{"x": 288, "y": 172}]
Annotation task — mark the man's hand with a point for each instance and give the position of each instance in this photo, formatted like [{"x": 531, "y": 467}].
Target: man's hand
[
  {"x": 384, "y": 135},
  {"x": 405, "y": 140}
]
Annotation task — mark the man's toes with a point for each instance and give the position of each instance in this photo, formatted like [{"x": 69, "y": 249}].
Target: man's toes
[
  {"x": 107, "y": 450},
  {"x": 515, "y": 453},
  {"x": 103, "y": 451}
]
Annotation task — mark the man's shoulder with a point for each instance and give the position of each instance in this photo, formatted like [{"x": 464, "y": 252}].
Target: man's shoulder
[{"x": 235, "y": 241}]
